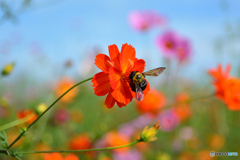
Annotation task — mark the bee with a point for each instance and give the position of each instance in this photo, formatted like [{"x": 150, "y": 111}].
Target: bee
[{"x": 138, "y": 83}]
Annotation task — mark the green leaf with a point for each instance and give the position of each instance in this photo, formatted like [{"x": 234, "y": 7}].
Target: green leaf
[
  {"x": 17, "y": 158},
  {"x": 1, "y": 135},
  {"x": 8, "y": 153},
  {"x": 20, "y": 155},
  {"x": 5, "y": 136},
  {"x": 4, "y": 147},
  {"x": 21, "y": 130}
]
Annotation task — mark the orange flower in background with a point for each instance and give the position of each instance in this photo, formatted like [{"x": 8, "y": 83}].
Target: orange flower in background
[
  {"x": 232, "y": 94},
  {"x": 217, "y": 142},
  {"x": 152, "y": 103},
  {"x": 181, "y": 106},
  {"x": 40, "y": 147},
  {"x": 53, "y": 156},
  {"x": 113, "y": 139},
  {"x": 63, "y": 86},
  {"x": 29, "y": 114},
  {"x": 71, "y": 157},
  {"x": 82, "y": 141},
  {"x": 220, "y": 80},
  {"x": 227, "y": 88},
  {"x": 58, "y": 156},
  {"x": 114, "y": 78}
]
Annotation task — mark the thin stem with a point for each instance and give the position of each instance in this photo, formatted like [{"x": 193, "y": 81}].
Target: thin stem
[
  {"x": 201, "y": 98},
  {"x": 15, "y": 123},
  {"x": 191, "y": 100},
  {"x": 46, "y": 111},
  {"x": 85, "y": 150}
]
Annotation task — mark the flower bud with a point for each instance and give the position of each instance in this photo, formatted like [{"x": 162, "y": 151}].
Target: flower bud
[
  {"x": 8, "y": 69},
  {"x": 41, "y": 108},
  {"x": 148, "y": 134}
]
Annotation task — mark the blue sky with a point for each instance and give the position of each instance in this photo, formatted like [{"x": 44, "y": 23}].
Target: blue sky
[{"x": 66, "y": 30}]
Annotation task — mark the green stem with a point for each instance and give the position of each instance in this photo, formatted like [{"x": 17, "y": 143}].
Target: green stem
[
  {"x": 85, "y": 150},
  {"x": 46, "y": 111},
  {"x": 15, "y": 123},
  {"x": 200, "y": 98}
]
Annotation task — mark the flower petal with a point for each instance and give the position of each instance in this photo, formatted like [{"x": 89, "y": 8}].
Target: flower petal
[
  {"x": 122, "y": 93},
  {"x": 103, "y": 62},
  {"x": 139, "y": 65},
  {"x": 127, "y": 57},
  {"x": 120, "y": 105},
  {"x": 147, "y": 89},
  {"x": 114, "y": 55},
  {"x": 110, "y": 101},
  {"x": 114, "y": 77},
  {"x": 101, "y": 84}
]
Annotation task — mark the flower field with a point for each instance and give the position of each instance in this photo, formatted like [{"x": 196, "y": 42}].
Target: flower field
[{"x": 153, "y": 96}]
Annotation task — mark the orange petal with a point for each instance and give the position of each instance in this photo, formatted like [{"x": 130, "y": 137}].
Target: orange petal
[
  {"x": 114, "y": 55},
  {"x": 103, "y": 62},
  {"x": 71, "y": 157},
  {"x": 55, "y": 156},
  {"x": 101, "y": 84},
  {"x": 110, "y": 101},
  {"x": 114, "y": 77},
  {"x": 147, "y": 89},
  {"x": 120, "y": 105},
  {"x": 122, "y": 94},
  {"x": 127, "y": 56},
  {"x": 139, "y": 65}
]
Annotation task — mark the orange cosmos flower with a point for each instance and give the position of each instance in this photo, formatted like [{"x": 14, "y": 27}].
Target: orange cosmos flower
[
  {"x": 220, "y": 79},
  {"x": 58, "y": 156},
  {"x": 152, "y": 103},
  {"x": 181, "y": 106},
  {"x": 63, "y": 86},
  {"x": 71, "y": 157},
  {"x": 55, "y": 156},
  {"x": 82, "y": 141},
  {"x": 227, "y": 88},
  {"x": 29, "y": 114},
  {"x": 114, "y": 78},
  {"x": 114, "y": 139}
]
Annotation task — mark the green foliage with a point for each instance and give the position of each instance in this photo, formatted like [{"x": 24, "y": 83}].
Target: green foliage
[
  {"x": 3, "y": 142},
  {"x": 22, "y": 131}
]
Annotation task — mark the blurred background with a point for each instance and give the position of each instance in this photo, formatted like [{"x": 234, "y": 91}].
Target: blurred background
[{"x": 53, "y": 44}]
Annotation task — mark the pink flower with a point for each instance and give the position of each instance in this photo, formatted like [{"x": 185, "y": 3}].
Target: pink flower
[
  {"x": 145, "y": 20},
  {"x": 131, "y": 154},
  {"x": 168, "y": 43},
  {"x": 172, "y": 45},
  {"x": 168, "y": 120},
  {"x": 61, "y": 116},
  {"x": 183, "y": 50}
]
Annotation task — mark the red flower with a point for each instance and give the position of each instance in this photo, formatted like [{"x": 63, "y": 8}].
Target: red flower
[
  {"x": 114, "y": 78},
  {"x": 227, "y": 88}
]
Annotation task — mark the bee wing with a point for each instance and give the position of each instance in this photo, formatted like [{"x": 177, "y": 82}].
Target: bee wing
[
  {"x": 139, "y": 92},
  {"x": 154, "y": 72}
]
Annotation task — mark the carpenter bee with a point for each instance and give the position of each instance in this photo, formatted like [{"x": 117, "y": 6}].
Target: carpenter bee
[{"x": 138, "y": 82}]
